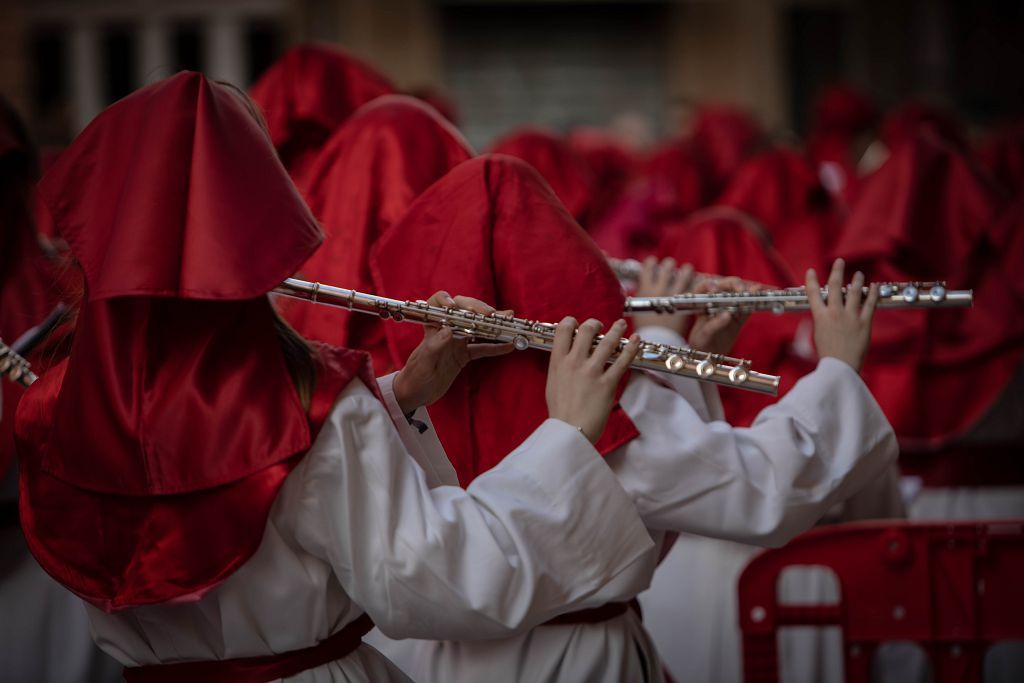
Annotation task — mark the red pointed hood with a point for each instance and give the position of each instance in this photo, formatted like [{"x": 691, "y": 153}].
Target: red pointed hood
[
  {"x": 493, "y": 229},
  {"x": 921, "y": 216},
  {"x": 151, "y": 456},
  {"x": 913, "y": 118},
  {"x": 611, "y": 164},
  {"x": 1002, "y": 153},
  {"x": 558, "y": 163},
  {"x": 674, "y": 183},
  {"x": 27, "y": 288},
  {"x": 308, "y": 93},
  {"x": 781, "y": 190},
  {"x": 842, "y": 109},
  {"x": 723, "y": 137},
  {"x": 368, "y": 173}
]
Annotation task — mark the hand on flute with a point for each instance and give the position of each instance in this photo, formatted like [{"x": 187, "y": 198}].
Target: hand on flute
[
  {"x": 717, "y": 333},
  {"x": 663, "y": 279},
  {"x": 440, "y": 357},
  {"x": 842, "y": 329},
  {"x": 581, "y": 382}
]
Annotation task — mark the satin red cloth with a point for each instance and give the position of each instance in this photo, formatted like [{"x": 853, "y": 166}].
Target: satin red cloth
[
  {"x": 612, "y": 166},
  {"x": 723, "y": 137},
  {"x": 493, "y": 229},
  {"x": 914, "y": 117},
  {"x": 726, "y": 241},
  {"x": 843, "y": 108},
  {"x": 929, "y": 214},
  {"x": 307, "y": 94},
  {"x": 558, "y": 163},
  {"x": 781, "y": 189},
  {"x": 28, "y": 291},
  {"x": 1002, "y": 153},
  {"x": 360, "y": 185},
  {"x": 151, "y": 456},
  {"x": 922, "y": 215},
  {"x": 840, "y": 114},
  {"x": 674, "y": 183}
]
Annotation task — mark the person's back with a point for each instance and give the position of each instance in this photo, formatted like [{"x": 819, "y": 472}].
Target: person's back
[
  {"x": 685, "y": 471},
  {"x": 218, "y": 490}
]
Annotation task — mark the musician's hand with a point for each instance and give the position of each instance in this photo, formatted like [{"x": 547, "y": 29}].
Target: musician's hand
[
  {"x": 581, "y": 385},
  {"x": 437, "y": 361},
  {"x": 842, "y": 330},
  {"x": 663, "y": 279},
  {"x": 717, "y": 333}
]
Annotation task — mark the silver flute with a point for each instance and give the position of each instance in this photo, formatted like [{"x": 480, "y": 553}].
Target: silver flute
[
  {"x": 779, "y": 301},
  {"x": 530, "y": 334},
  {"x": 14, "y": 367}
]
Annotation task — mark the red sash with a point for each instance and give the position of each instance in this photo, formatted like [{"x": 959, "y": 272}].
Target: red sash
[
  {"x": 257, "y": 669},
  {"x": 595, "y": 615}
]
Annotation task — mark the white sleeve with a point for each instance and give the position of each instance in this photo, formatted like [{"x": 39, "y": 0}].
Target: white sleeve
[
  {"x": 820, "y": 444},
  {"x": 424, "y": 446},
  {"x": 527, "y": 540}
]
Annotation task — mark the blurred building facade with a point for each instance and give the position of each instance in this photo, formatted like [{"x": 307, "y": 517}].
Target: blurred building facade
[{"x": 505, "y": 62}]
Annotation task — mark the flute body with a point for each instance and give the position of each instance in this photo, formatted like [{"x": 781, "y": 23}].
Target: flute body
[
  {"x": 15, "y": 368},
  {"x": 530, "y": 334},
  {"x": 890, "y": 295}
]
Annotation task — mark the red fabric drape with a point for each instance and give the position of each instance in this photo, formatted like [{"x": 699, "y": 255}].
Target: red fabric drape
[
  {"x": 27, "y": 289},
  {"x": 557, "y": 162},
  {"x": 493, "y": 229},
  {"x": 840, "y": 114},
  {"x": 1002, "y": 153},
  {"x": 723, "y": 137},
  {"x": 611, "y": 164},
  {"x": 674, "y": 183},
  {"x": 781, "y": 190},
  {"x": 307, "y": 94},
  {"x": 151, "y": 456},
  {"x": 913, "y": 118},
  {"x": 928, "y": 214}
]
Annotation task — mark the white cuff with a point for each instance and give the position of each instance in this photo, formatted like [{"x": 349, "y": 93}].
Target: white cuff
[{"x": 424, "y": 447}]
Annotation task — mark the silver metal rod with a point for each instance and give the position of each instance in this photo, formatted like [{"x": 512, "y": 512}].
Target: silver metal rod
[
  {"x": 779, "y": 301},
  {"x": 530, "y": 334}
]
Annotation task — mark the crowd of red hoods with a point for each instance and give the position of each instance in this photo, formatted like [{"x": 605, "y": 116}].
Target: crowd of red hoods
[{"x": 903, "y": 194}]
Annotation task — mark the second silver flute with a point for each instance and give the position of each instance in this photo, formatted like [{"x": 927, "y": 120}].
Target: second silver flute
[
  {"x": 890, "y": 295},
  {"x": 530, "y": 334}
]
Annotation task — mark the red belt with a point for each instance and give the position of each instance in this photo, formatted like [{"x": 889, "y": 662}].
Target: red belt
[
  {"x": 596, "y": 615},
  {"x": 257, "y": 669}
]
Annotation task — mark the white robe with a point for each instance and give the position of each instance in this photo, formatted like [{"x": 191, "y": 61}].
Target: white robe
[
  {"x": 357, "y": 527},
  {"x": 820, "y": 444},
  {"x": 691, "y": 608}
]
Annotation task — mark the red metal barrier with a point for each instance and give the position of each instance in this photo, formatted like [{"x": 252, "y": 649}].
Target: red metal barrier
[{"x": 954, "y": 588}]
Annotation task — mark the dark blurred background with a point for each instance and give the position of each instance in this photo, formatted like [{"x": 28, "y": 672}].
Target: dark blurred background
[{"x": 631, "y": 65}]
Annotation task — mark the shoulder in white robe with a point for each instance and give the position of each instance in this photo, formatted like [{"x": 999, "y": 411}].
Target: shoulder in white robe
[
  {"x": 359, "y": 525},
  {"x": 691, "y": 472}
]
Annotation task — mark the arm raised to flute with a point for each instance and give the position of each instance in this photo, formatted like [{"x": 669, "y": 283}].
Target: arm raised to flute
[{"x": 530, "y": 334}]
